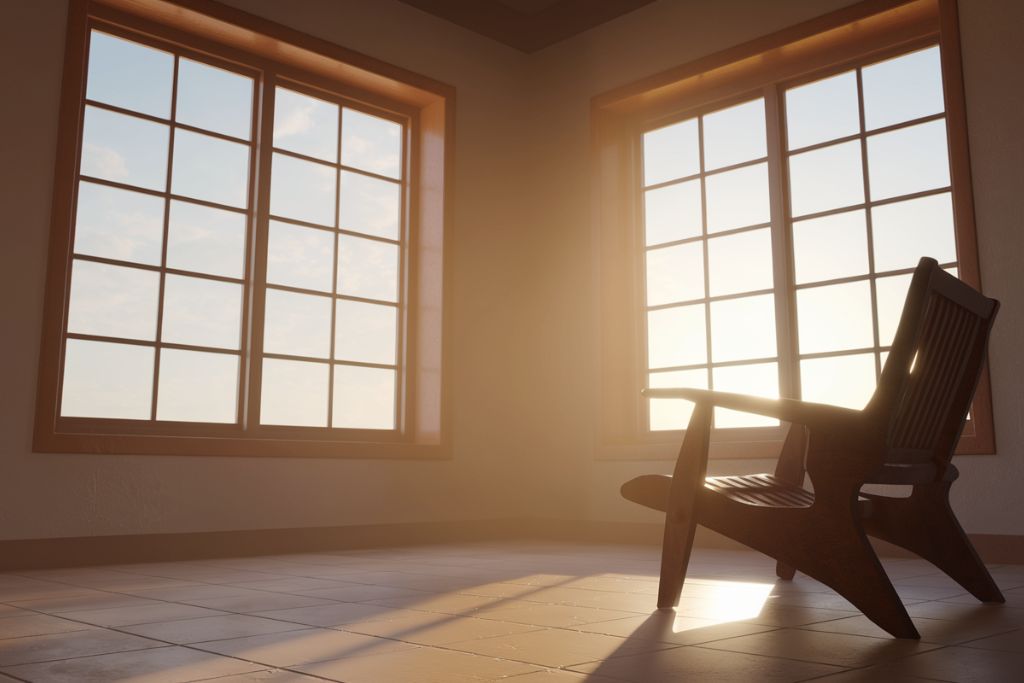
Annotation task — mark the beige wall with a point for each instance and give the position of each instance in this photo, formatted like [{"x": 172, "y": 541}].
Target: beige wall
[{"x": 524, "y": 313}]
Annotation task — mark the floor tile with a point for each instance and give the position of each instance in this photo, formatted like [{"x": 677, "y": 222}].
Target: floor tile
[
  {"x": 942, "y": 631},
  {"x": 303, "y": 646},
  {"x": 426, "y": 628},
  {"x": 79, "y": 603},
  {"x": 707, "y": 666},
  {"x": 666, "y": 627},
  {"x": 72, "y": 644},
  {"x": 334, "y": 614},
  {"x": 143, "y": 614},
  {"x": 161, "y": 665},
  {"x": 1007, "y": 642},
  {"x": 258, "y": 601},
  {"x": 962, "y": 665},
  {"x": 362, "y": 592},
  {"x": 36, "y": 625},
  {"x": 556, "y": 647},
  {"x": 537, "y": 614},
  {"x": 420, "y": 665},
  {"x": 183, "y": 631}
]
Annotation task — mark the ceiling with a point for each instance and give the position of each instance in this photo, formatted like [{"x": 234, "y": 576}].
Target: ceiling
[{"x": 528, "y": 25}]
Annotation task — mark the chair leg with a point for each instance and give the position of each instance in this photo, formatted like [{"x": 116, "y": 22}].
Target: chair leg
[
  {"x": 959, "y": 560},
  {"x": 784, "y": 571},
  {"x": 675, "y": 557}
]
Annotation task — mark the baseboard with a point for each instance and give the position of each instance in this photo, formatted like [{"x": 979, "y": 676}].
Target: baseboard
[{"x": 45, "y": 553}]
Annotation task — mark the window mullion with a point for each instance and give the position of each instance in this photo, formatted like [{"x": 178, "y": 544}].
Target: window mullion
[
  {"x": 257, "y": 266},
  {"x": 782, "y": 253}
]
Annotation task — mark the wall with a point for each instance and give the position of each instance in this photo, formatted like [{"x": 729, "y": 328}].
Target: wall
[
  {"x": 524, "y": 307},
  {"x": 566, "y": 353}
]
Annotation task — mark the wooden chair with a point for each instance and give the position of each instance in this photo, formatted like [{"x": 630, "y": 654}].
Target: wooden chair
[{"x": 905, "y": 435}]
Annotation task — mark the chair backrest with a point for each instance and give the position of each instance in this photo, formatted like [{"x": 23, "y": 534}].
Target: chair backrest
[{"x": 933, "y": 367}]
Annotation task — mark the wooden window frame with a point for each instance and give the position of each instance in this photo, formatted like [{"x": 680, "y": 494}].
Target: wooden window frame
[
  {"x": 272, "y": 53},
  {"x": 865, "y": 32}
]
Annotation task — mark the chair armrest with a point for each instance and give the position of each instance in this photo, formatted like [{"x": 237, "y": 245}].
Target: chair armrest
[{"x": 813, "y": 415}]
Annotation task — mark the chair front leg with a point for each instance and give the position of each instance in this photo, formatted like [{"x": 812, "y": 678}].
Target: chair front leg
[
  {"x": 790, "y": 468},
  {"x": 681, "y": 513}
]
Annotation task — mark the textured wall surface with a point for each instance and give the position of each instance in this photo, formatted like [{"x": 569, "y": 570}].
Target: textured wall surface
[{"x": 524, "y": 299}]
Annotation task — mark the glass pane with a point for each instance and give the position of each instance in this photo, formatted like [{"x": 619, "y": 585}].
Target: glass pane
[
  {"x": 364, "y": 398},
  {"x": 743, "y": 329},
  {"x": 197, "y": 387},
  {"x": 740, "y": 263},
  {"x": 674, "y": 413},
  {"x": 847, "y": 381},
  {"x": 735, "y": 135},
  {"x": 300, "y": 257},
  {"x": 366, "y": 333},
  {"x": 908, "y": 160},
  {"x": 671, "y": 152},
  {"x": 209, "y": 168},
  {"x": 823, "y": 110},
  {"x": 759, "y": 379},
  {"x": 129, "y": 75},
  {"x": 672, "y": 213},
  {"x": 906, "y": 231},
  {"x": 835, "y": 317},
  {"x": 305, "y": 125},
  {"x": 904, "y": 88},
  {"x": 831, "y": 247},
  {"x": 297, "y": 324},
  {"x": 113, "y": 301},
  {"x": 676, "y": 336},
  {"x": 303, "y": 190},
  {"x": 294, "y": 393},
  {"x": 206, "y": 240},
  {"x": 738, "y": 198},
  {"x": 202, "y": 312},
  {"x": 119, "y": 224},
  {"x": 214, "y": 99},
  {"x": 892, "y": 294},
  {"x": 826, "y": 178},
  {"x": 369, "y": 205},
  {"x": 107, "y": 380},
  {"x": 367, "y": 268},
  {"x": 124, "y": 149},
  {"x": 371, "y": 143},
  {"x": 675, "y": 274}
]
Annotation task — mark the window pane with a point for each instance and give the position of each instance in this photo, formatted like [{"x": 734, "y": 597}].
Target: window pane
[
  {"x": 364, "y": 398},
  {"x": 826, "y": 178},
  {"x": 294, "y": 393},
  {"x": 675, "y": 274},
  {"x": 302, "y": 190},
  {"x": 107, "y": 380},
  {"x": 906, "y": 231},
  {"x": 738, "y": 198},
  {"x": 371, "y": 143},
  {"x": 671, "y": 152},
  {"x": 847, "y": 381},
  {"x": 124, "y": 149},
  {"x": 367, "y": 268},
  {"x": 740, "y": 263},
  {"x": 366, "y": 333},
  {"x": 129, "y": 75},
  {"x": 908, "y": 160},
  {"x": 202, "y": 312},
  {"x": 835, "y": 317},
  {"x": 113, "y": 301},
  {"x": 119, "y": 224},
  {"x": 300, "y": 257},
  {"x": 831, "y": 247},
  {"x": 674, "y": 413},
  {"x": 305, "y": 125},
  {"x": 743, "y": 329},
  {"x": 735, "y": 135},
  {"x": 892, "y": 294},
  {"x": 823, "y": 110},
  {"x": 759, "y": 379},
  {"x": 209, "y": 168},
  {"x": 676, "y": 336},
  {"x": 672, "y": 212},
  {"x": 369, "y": 205},
  {"x": 214, "y": 99},
  {"x": 904, "y": 88},
  {"x": 206, "y": 240},
  {"x": 197, "y": 387},
  {"x": 297, "y": 324}
]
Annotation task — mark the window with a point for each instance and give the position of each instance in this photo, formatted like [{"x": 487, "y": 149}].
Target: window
[
  {"x": 240, "y": 251},
  {"x": 781, "y": 211}
]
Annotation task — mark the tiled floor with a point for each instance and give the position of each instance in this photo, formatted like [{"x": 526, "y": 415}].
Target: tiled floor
[{"x": 532, "y": 612}]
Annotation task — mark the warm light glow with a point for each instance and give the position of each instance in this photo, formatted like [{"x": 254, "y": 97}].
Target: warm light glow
[{"x": 719, "y": 602}]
